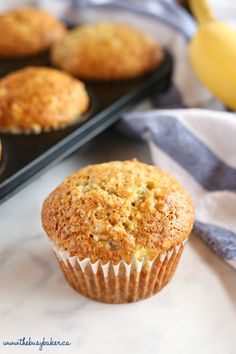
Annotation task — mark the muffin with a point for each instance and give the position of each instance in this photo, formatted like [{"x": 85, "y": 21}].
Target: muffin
[
  {"x": 38, "y": 99},
  {"x": 106, "y": 51},
  {"x": 118, "y": 229},
  {"x": 28, "y": 31}
]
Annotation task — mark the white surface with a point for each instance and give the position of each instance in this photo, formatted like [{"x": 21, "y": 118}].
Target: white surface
[{"x": 194, "y": 314}]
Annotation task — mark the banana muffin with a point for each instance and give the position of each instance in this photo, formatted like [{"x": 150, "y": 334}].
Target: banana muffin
[
  {"x": 118, "y": 229},
  {"x": 38, "y": 99},
  {"x": 28, "y": 31},
  {"x": 106, "y": 51}
]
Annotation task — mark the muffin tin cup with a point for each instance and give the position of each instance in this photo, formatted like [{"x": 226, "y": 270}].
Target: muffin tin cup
[{"x": 122, "y": 282}]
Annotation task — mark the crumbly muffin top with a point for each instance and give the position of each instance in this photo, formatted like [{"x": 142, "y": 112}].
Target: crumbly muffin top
[
  {"x": 106, "y": 51},
  {"x": 28, "y": 31},
  {"x": 37, "y": 98},
  {"x": 117, "y": 211}
]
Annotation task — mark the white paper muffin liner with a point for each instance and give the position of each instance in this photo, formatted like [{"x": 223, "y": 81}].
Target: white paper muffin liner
[{"x": 122, "y": 282}]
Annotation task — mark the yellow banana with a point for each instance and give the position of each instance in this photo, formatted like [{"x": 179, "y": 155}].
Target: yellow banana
[{"x": 212, "y": 54}]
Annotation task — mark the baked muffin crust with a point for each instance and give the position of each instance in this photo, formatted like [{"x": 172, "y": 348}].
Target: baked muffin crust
[
  {"x": 117, "y": 211},
  {"x": 38, "y": 99},
  {"x": 106, "y": 51},
  {"x": 28, "y": 31}
]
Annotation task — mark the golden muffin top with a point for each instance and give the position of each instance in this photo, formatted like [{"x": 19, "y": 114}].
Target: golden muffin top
[
  {"x": 28, "y": 31},
  {"x": 106, "y": 51},
  {"x": 38, "y": 98},
  {"x": 118, "y": 210}
]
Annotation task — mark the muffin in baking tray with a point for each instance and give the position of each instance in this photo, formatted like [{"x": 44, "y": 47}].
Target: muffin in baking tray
[
  {"x": 118, "y": 229},
  {"x": 38, "y": 99},
  {"x": 28, "y": 31},
  {"x": 106, "y": 51}
]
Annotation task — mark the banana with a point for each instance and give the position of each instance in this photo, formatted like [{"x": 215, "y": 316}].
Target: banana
[{"x": 212, "y": 53}]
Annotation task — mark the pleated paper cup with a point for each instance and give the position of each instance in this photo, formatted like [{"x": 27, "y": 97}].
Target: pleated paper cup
[{"x": 122, "y": 282}]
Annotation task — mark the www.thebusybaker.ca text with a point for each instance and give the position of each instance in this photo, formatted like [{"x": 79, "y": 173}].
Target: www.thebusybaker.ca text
[{"x": 28, "y": 341}]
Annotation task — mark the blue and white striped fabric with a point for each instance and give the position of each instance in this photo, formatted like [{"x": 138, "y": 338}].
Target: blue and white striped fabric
[{"x": 199, "y": 148}]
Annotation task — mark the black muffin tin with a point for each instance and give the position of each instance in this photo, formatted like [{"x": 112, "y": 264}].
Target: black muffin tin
[{"x": 27, "y": 156}]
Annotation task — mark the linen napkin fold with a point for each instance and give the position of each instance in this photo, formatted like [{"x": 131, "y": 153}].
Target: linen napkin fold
[{"x": 198, "y": 147}]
